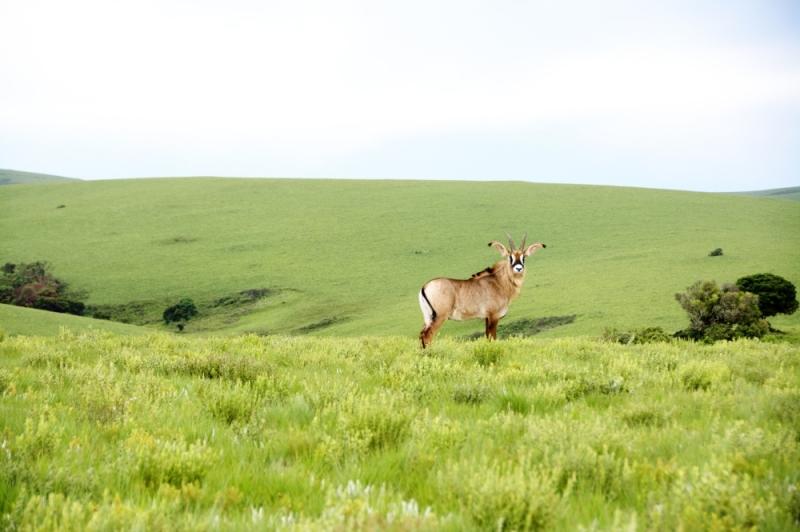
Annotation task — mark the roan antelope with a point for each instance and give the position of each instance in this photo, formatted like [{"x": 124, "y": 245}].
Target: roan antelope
[{"x": 486, "y": 294}]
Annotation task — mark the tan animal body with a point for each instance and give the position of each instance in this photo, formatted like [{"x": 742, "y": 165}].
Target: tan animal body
[{"x": 486, "y": 294}]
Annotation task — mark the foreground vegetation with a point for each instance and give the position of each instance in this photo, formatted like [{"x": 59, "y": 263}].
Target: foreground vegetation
[
  {"x": 337, "y": 257},
  {"x": 99, "y": 431}
]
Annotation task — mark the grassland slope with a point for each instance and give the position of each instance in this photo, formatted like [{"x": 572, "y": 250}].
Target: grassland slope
[
  {"x": 34, "y": 322},
  {"x": 348, "y": 257}
]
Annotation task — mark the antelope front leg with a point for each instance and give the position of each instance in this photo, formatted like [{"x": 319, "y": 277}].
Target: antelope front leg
[{"x": 491, "y": 328}]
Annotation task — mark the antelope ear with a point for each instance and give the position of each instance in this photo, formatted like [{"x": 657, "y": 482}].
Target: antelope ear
[
  {"x": 500, "y": 247},
  {"x": 530, "y": 250}
]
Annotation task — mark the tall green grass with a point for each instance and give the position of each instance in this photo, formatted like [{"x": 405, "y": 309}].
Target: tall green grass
[
  {"x": 348, "y": 257},
  {"x": 99, "y": 431}
]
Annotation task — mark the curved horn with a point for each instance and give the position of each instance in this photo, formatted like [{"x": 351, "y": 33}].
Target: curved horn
[
  {"x": 524, "y": 238},
  {"x": 511, "y": 242}
]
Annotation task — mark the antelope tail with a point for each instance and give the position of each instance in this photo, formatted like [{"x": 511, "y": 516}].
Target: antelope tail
[{"x": 427, "y": 301}]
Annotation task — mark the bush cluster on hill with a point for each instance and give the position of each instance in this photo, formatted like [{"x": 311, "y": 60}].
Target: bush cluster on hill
[
  {"x": 32, "y": 285},
  {"x": 775, "y": 294},
  {"x": 721, "y": 313},
  {"x": 646, "y": 335}
]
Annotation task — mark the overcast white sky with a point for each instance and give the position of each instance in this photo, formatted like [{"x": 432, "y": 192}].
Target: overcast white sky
[{"x": 701, "y": 95}]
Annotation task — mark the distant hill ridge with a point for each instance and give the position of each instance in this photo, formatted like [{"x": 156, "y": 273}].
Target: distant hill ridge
[
  {"x": 790, "y": 193},
  {"x": 17, "y": 177}
]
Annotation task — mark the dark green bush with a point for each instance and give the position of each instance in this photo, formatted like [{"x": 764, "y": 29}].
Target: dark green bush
[
  {"x": 183, "y": 310},
  {"x": 98, "y": 314},
  {"x": 54, "y": 304},
  {"x": 718, "y": 313},
  {"x": 716, "y": 253},
  {"x": 775, "y": 294}
]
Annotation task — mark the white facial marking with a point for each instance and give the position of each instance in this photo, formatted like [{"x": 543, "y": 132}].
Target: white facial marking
[{"x": 517, "y": 262}]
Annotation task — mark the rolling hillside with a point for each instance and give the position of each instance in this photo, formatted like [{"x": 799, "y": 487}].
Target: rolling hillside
[
  {"x": 16, "y": 177},
  {"x": 348, "y": 257},
  {"x": 29, "y": 321}
]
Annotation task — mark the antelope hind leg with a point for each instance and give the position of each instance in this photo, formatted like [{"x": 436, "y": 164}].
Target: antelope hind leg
[{"x": 427, "y": 334}]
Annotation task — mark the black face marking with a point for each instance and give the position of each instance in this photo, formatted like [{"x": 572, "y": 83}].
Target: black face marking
[{"x": 517, "y": 259}]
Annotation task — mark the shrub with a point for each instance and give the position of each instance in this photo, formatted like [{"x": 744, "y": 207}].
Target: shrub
[
  {"x": 716, "y": 498},
  {"x": 582, "y": 387},
  {"x": 359, "y": 425},
  {"x": 487, "y": 353},
  {"x": 32, "y": 285},
  {"x": 51, "y": 512},
  {"x": 645, "y": 335},
  {"x": 381, "y": 429},
  {"x": 775, "y": 294},
  {"x": 230, "y": 403},
  {"x": 514, "y": 402},
  {"x": 5, "y": 381},
  {"x": 39, "y": 438},
  {"x": 217, "y": 366},
  {"x": 512, "y": 495},
  {"x": 173, "y": 462},
  {"x": 716, "y": 253},
  {"x": 356, "y": 506},
  {"x": 702, "y": 375},
  {"x": 183, "y": 310},
  {"x": 643, "y": 416},
  {"x": 64, "y": 306},
  {"x": 470, "y": 394},
  {"x": 718, "y": 313}
]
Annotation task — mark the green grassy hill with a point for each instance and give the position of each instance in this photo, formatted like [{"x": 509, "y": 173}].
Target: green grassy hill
[
  {"x": 33, "y": 322},
  {"x": 348, "y": 257},
  {"x": 16, "y": 177}
]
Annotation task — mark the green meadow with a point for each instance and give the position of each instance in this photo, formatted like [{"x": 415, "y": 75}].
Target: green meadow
[
  {"x": 342, "y": 258},
  {"x": 161, "y": 432}
]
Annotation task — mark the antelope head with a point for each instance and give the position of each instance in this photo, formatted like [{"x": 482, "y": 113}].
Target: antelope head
[{"x": 516, "y": 255}]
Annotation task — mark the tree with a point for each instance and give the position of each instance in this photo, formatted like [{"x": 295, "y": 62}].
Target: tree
[
  {"x": 183, "y": 310},
  {"x": 775, "y": 294},
  {"x": 722, "y": 313}
]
